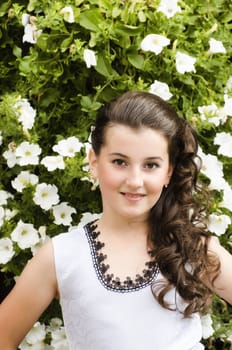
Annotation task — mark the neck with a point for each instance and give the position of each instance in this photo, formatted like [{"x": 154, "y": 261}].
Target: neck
[{"x": 123, "y": 229}]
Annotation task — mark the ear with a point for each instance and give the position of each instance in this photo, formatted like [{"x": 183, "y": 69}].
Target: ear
[
  {"x": 169, "y": 174},
  {"x": 170, "y": 170},
  {"x": 93, "y": 162}
]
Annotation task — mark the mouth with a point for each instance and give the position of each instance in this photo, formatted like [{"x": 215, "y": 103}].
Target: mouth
[{"x": 133, "y": 196}]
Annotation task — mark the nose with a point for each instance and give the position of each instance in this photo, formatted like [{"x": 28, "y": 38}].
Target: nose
[{"x": 134, "y": 177}]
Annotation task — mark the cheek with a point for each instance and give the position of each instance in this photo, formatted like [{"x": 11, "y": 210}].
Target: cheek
[
  {"x": 156, "y": 184},
  {"x": 108, "y": 179}
]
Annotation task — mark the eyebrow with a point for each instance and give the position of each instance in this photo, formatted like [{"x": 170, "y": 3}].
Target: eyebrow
[{"x": 116, "y": 154}]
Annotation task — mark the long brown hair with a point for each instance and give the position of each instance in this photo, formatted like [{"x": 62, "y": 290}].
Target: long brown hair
[{"x": 177, "y": 221}]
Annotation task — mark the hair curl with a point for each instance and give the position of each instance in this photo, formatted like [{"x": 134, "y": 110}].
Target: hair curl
[{"x": 178, "y": 233}]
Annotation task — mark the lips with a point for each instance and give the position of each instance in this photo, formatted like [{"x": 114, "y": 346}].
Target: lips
[{"x": 133, "y": 196}]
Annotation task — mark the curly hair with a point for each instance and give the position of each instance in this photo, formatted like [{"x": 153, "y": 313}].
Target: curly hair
[{"x": 177, "y": 230}]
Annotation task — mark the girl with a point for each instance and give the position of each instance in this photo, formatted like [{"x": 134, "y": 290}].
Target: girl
[{"x": 138, "y": 277}]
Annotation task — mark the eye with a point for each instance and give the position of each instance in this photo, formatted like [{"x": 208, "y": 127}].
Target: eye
[
  {"x": 119, "y": 162},
  {"x": 151, "y": 165}
]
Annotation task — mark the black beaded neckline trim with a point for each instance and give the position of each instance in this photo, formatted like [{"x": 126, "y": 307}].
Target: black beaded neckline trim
[{"x": 108, "y": 280}]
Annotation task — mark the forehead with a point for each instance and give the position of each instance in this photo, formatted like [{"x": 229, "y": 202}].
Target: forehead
[{"x": 143, "y": 139}]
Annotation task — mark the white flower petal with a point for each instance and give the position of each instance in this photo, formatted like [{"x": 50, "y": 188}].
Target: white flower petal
[
  {"x": 154, "y": 43},
  {"x": 90, "y": 58},
  {"x": 53, "y": 162},
  {"x": 160, "y": 89},
  {"x": 87, "y": 217},
  {"x": 62, "y": 214},
  {"x": 10, "y": 157},
  {"x": 36, "y": 334},
  {"x": 46, "y": 196},
  {"x": 25, "y": 235},
  {"x": 4, "y": 195},
  {"x": 213, "y": 169},
  {"x": 6, "y": 250},
  {"x": 216, "y": 46},
  {"x": 25, "y": 113},
  {"x": 68, "y": 14},
  {"x": 24, "y": 179},
  {"x": 224, "y": 140},
  {"x": 27, "y": 153},
  {"x": 185, "y": 63},
  {"x": 169, "y": 7},
  {"x": 218, "y": 223},
  {"x": 68, "y": 147},
  {"x": 207, "y": 329}
]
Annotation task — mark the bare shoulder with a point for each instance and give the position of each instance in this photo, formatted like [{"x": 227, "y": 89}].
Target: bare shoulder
[
  {"x": 34, "y": 290},
  {"x": 223, "y": 283}
]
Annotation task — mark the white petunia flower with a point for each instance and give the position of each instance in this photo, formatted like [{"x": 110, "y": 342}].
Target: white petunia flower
[
  {"x": 25, "y": 19},
  {"x": 87, "y": 217},
  {"x": 169, "y": 7},
  {"x": 185, "y": 63},
  {"x": 216, "y": 46},
  {"x": 207, "y": 328},
  {"x": 31, "y": 33},
  {"x": 27, "y": 153},
  {"x": 229, "y": 336},
  {"x": 68, "y": 147},
  {"x": 227, "y": 109},
  {"x": 6, "y": 250},
  {"x": 0, "y": 137},
  {"x": 62, "y": 213},
  {"x": 213, "y": 169},
  {"x": 25, "y": 113},
  {"x": 160, "y": 89},
  {"x": 154, "y": 43},
  {"x": 59, "y": 340},
  {"x": 36, "y": 334},
  {"x": 68, "y": 14},
  {"x": 34, "y": 338},
  {"x": 218, "y": 223},
  {"x": 9, "y": 214},
  {"x": 4, "y": 195},
  {"x": 2, "y": 215},
  {"x": 43, "y": 238},
  {"x": 89, "y": 58},
  {"x": 10, "y": 158},
  {"x": 87, "y": 146},
  {"x": 25, "y": 235},
  {"x": 227, "y": 197},
  {"x": 212, "y": 114},
  {"x": 46, "y": 196},
  {"x": 228, "y": 85},
  {"x": 53, "y": 162},
  {"x": 37, "y": 346},
  {"x": 55, "y": 323},
  {"x": 224, "y": 140},
  {"x": 24, "y": 179}
]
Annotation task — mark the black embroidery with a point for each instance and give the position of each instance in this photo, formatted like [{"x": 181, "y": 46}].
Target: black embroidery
[{"x": 108, "y": 279}]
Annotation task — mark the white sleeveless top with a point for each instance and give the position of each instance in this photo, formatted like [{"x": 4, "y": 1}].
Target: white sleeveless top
[{"x": 99, "y": 313}]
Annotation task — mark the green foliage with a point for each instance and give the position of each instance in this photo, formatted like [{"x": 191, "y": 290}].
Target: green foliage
[{"x": 52, "y": 75}]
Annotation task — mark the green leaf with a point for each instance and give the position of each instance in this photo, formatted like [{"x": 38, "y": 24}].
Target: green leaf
[
  {"x": 4, "y": 8},
  {"x": 17, "y": 51},
  {"x": 104, "y": 67},
  {"x": 91, "y": 20},
  {"x": 66, "y": 44},
  {"x": 136, "y": 60},
  {"x": 125, "y": 29}
]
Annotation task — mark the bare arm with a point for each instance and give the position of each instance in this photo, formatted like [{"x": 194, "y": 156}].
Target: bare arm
[
  {"x": 33, "y": 292},
  {"x": 223, "y": 283}
]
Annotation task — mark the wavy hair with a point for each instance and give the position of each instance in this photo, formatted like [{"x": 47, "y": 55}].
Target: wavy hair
[{"x": 177, "y": 230}]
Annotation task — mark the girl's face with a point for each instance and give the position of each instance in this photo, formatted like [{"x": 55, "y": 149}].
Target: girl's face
[{"x": 132, "y": 169}]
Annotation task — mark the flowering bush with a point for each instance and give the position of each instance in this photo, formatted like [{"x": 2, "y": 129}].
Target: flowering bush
[{"x": 59, "y": 63}]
